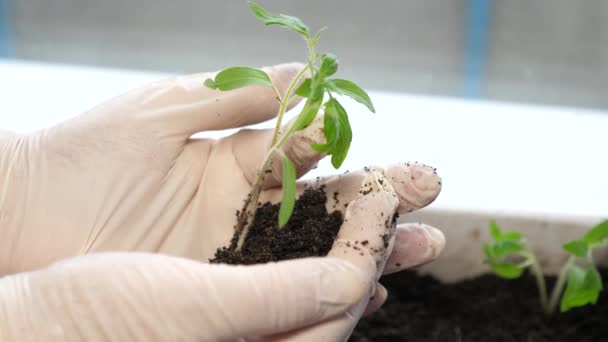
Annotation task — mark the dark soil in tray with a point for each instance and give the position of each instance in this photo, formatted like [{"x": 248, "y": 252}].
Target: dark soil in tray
[
  {"x": 419, "y": 308},
  {"x": 311, "y": 231}
]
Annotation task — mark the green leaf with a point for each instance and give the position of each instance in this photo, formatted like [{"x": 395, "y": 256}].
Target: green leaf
[
  {"x": 579, "y": 248},
  {"x": 238, "y": 77},
  {"x": 505, "y": 247},
  {"x": 331, "y": 130},
  {"x": 495, "y": 231},
  {"x": 304, "y": 88},
  {"x": 489, "y": 252},
  {"x": 351, "y": 90},
  {"x": 339, "y": 154},
  {"x": 289, "y": 192},
  {"x": 597, "y": 234},
  {"x": 511, "y": 236},
  {"x": 507, "y": 270},
  {"x": 293, "y": 23},
  {"x": 309, "y": 111},
  {"x": 498, "y": 235},
  {"x": 338, "y": 133},
  {"x": 315, "y": 39},
  {"x": 329, "y": 65},
  {"x": 584, "y": 286}
]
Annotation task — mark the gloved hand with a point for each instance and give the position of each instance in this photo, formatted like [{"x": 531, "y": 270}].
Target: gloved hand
[{"x": 127, "y": 176}]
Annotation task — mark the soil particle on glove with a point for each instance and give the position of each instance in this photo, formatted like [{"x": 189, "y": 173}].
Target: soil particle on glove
[
  {"x": 487, "y": 308},
  {"x": 311, "y": 231}
]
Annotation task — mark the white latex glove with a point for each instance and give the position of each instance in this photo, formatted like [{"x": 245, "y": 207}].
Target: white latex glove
[{"x": 126, "y": 176}]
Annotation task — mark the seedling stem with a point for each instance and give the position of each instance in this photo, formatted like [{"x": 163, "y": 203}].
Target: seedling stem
[{"x": 559, "y": 286}]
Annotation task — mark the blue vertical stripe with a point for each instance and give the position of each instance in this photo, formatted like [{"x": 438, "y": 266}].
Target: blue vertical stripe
[
  {"x": 476, "y": 48},
  {"x": 4, "y": 30}
]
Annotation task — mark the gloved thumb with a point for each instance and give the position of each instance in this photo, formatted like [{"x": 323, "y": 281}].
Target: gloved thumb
[{"x": 148, "y": 297}]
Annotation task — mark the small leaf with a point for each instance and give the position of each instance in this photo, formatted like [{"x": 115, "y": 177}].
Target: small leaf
[
  {"x": 293, "y": 23},
  {"x": 584, "y": 286},
  {"x": 338, "y": 133},
  {"x": 309, "y": 111},
  {"x": 289, "y": 192},
  {"x": 315, "y": 39},
  {"x": 238, "y": 77},
  {"x": 351, "y": 90},
  {"x": 498, "y": 235},
  {"x": 511, "y": 236},
  {"x": 331, "y": 130},
  {"x": 507, "y": 270},
  {"x": 329, "y": 65},
  {"x": 579, "y": 248},
  {"x": 505, "y": 247},
  {"x": 304, "y": 88},
  {"x": 597, "y": 234},
  {"x": 344, "y": 139},
  {"x": 495, "y": 231}
]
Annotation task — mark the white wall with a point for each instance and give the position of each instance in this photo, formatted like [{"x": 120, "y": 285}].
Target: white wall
[{"x": 492, "y": 156}]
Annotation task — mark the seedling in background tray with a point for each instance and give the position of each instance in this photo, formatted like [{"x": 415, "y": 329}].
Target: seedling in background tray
[{"x": 509, "y": 255}]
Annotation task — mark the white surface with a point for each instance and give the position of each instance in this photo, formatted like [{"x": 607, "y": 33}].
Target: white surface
[{"x": 492, "y": 156}]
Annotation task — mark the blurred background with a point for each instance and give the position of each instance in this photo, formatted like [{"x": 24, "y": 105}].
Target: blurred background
[
  {"x": 508, "y": 99},
  {"x": 550, "y": 52}
]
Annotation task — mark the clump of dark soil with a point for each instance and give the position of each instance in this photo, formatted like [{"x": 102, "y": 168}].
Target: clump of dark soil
[
  {"x": 311, "y": 231},
  {"x": 419, "y": 308}
]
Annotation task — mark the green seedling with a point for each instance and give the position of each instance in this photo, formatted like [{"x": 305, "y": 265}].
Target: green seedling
[
  {"x": 509, "y": 254},
  {"x": 318, "y": 89}
]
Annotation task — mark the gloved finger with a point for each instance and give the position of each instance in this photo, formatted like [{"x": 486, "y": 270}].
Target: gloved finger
[
  {"x": 183, "y": 105},
  {"x": 148, "y": 297},
  {"x": 251, "y": 146},
  {"x": 417, "y": 185},
  {"x": 376, "y": 301},
  {"x": 415, "y": 244},
  {"x": 364, "y": 240},
  {"x": 291, "y": 294}
]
